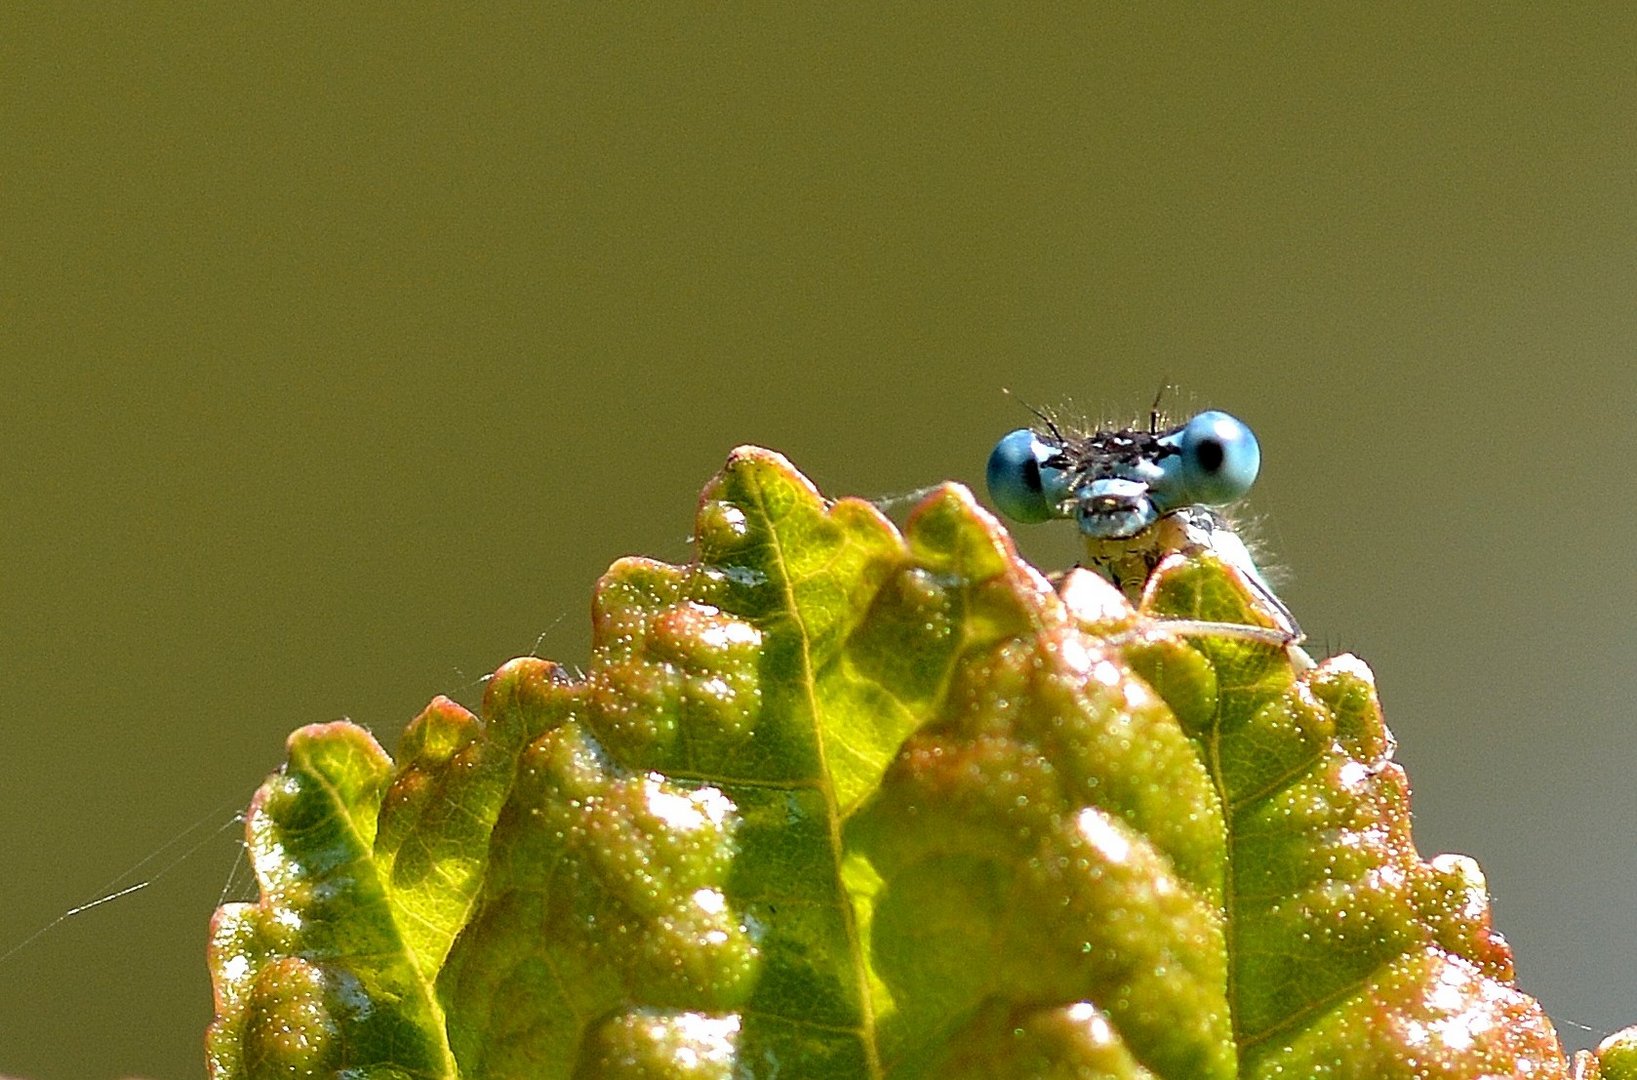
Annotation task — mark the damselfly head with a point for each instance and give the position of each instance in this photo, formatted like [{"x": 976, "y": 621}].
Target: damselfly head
[
  {"x": 1117, "y": 482},
  {"x": 1139, "y": 495}
]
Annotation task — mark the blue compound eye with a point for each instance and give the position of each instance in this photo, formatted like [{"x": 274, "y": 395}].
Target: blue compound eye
[
  {"x": 1216, "y": 463},
  {"x": 1019, "y": 483}
]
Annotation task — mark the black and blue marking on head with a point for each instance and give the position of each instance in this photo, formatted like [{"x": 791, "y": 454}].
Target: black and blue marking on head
[{"x": 1117, "y": 482}]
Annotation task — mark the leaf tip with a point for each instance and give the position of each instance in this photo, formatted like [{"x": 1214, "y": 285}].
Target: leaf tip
[
  {"x": 1093, "y": 602},
  {"x": 1617, "y": 1056}
]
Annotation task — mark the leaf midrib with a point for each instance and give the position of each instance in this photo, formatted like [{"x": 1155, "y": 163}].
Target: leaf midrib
[
  {"x": 426, "y": 989},
  {"x": 827, "y": 790}
]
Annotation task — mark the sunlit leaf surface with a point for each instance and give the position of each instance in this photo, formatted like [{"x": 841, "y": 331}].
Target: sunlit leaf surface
[{"x": 833, "y": 801}]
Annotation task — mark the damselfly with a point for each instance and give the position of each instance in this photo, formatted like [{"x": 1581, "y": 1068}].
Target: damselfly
[{"x": 1139, "y": 495}]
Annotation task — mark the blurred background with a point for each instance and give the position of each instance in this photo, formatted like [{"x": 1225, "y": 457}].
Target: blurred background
[{"x": 339, "y": 355}]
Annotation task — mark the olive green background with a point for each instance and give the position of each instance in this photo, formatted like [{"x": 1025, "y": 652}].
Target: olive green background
[{"x": 340, "y": 353}]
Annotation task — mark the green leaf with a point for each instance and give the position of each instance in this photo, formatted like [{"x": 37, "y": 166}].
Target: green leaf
[{"x": 836, "y": 802}]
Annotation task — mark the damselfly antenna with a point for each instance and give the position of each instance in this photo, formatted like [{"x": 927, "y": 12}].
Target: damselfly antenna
[
  {"x": 1154, "y": 409},
  {"x": 1039, "y": 414}
]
